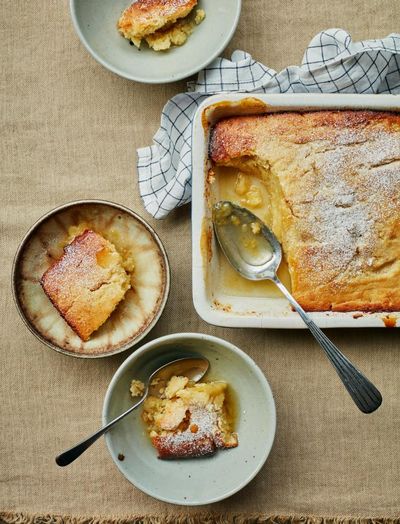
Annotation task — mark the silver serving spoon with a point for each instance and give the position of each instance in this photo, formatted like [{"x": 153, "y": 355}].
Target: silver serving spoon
[
  {"x": 194, "y": 368},
  {"x": 255, "y": 252}
]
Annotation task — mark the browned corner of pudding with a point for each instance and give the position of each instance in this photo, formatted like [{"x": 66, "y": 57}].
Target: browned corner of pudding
[
  {"x": 232, "y": 138},
  {"x": 86, "y": 283},
  {"x": 173, "y": 449}
]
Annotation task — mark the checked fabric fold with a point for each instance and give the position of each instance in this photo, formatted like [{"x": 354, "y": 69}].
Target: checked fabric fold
[{"x": 332, "y": 63}]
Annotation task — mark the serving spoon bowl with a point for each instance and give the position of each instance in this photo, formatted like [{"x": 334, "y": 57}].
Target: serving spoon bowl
[
  {"x": 194, "y": 368},
  {"x": 255, "y": 252}
]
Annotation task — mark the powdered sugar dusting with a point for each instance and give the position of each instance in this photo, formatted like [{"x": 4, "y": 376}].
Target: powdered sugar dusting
[
  {"x": 192, "y": 423},
  {"x": 190, "y": 443},
  {"x": 357, "y": 183},
  {"x": 333, "y": 180}
]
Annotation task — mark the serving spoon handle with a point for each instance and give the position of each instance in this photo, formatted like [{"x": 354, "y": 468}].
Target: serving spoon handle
[
  {"x": 76, "y": 451},
  {"x": 365, "y": 395}
]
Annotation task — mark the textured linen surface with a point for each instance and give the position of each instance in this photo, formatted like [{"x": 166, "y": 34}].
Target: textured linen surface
[
  {"x": 332, "y": 63},
  {"x": 69, "y": 131}
]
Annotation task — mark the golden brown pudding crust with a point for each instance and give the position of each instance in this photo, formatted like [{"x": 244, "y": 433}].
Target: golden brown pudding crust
[
  {"x": 144, "y": 17},
  {"x": 86, "y": 283},
  {"x": 333, "y": 180}
]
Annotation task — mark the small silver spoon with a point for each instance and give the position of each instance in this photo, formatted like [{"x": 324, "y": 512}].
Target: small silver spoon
[
  {"x": 255, "y": 252},
  {"x": 194, "y": 368}
]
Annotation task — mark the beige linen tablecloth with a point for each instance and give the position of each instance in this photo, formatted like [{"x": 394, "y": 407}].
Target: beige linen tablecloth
[{"x": 70, "y": 129}]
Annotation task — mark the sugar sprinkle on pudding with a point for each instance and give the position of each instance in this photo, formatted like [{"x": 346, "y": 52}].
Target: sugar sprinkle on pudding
[
  {"x": 87, "y": 283},
  {"x": 189, "y": 419}
]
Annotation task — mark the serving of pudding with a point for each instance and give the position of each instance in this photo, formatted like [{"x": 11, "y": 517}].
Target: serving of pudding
[
  {"x": 328, "y": 185},
  {"x": 191, "y": 442},
  {"x": 90, "y": 278},
  {"x": 187, "y": 419},
  {"x": 87, "y": 283},
  {"x": 161, "y": 23}
]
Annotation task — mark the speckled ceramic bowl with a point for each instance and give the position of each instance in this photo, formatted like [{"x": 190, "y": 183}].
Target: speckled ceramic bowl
[
  {"x": 133, "y": 318},
  {"x": 197, "y": 481}
]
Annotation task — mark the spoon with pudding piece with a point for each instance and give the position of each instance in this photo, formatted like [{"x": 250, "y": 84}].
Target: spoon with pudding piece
[
  {"x": 194, "y": 368},
  {"x": 255, "y": 252}
]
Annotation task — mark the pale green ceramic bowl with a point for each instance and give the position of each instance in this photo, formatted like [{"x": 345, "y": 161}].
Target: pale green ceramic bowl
[
  {"x": 95, "y": 22},
  {"x": 192, "y": 481}
]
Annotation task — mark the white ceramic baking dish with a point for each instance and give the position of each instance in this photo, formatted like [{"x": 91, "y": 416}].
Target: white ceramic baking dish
[{"x": 212, "y": 302}]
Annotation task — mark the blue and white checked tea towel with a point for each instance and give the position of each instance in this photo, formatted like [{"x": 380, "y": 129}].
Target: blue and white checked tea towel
[{"x": 332, "y": 63}]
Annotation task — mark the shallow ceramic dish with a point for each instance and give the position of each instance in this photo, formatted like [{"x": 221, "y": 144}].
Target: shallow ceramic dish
[
  {"x": 134, "y": 316},
  {"x": 95, "y": 22},
  {"x": 233, "y": 306},
  {"x": 192, "y": 481}
]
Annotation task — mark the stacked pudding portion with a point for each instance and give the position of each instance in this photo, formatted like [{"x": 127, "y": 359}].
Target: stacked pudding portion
[
  {"x": 189, "y": 420},
  {"x": 161, "y": 23}
]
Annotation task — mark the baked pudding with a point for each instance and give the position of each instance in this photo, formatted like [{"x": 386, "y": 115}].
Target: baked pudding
[
  {"x": 189, "y": 419},
  {"x": 161, "y": 23},
  {"x": 87, "y": 283},
  {"x": 328, "y": 185}
]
